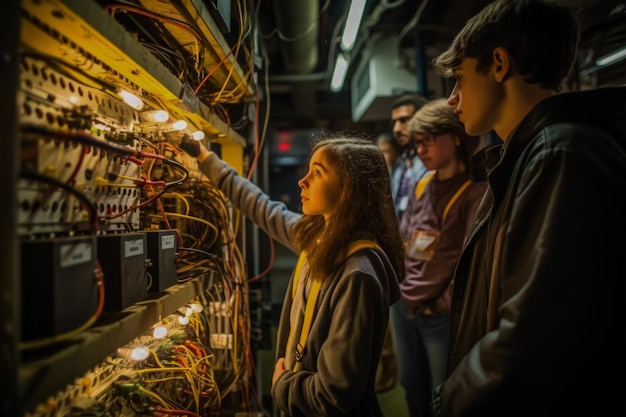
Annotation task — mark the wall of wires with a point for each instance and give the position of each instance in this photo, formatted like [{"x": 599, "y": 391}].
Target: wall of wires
[
  {"x": 178, "y": 367},
  {"x": 116, "y": 227}
]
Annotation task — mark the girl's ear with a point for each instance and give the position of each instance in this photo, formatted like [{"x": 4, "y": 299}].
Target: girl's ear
[{"x": 502, "y": 64}]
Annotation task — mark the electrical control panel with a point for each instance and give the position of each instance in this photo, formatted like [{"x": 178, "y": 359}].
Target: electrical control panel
[{"x": 131, "y": 285}]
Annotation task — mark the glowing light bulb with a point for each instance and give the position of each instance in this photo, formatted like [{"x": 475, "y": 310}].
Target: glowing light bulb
[
  {"x": 197, "y": 307},
  {"x": 131, "y": 99},
  {"x": 179, "y": 125},
  {"x": 139, "y": 353},
  {"x": 183, "y": 320},
  {"x": 159, "y": 332},
  {"x": 198, "y": 135},
  {"x": 155, "y": 116}
]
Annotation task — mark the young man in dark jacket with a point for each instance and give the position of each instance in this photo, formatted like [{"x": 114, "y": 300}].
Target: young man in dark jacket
[{"x": 537, "y": 307}]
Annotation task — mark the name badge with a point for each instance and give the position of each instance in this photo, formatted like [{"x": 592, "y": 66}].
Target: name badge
[{"x": 422, "y": 245}]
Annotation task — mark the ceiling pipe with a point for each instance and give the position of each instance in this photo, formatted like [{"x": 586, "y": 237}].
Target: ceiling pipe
[
  {"x": 298, "y": 22},
  {"x": 421, "y": 66},
  {"x": 298, "y": 78}
]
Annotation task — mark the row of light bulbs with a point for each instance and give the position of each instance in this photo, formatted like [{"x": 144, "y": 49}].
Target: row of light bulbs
[
  {"x": 159, "y": 331},
  {"x": 157, "y": 116}
]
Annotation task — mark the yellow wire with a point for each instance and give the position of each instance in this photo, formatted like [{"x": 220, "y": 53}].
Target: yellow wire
[
  {"x": 197, "y": 219},
  {"x": 181, "y": 197}
]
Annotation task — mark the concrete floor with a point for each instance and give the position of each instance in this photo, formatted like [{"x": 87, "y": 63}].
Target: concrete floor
[{"x": 393, "y": 403}]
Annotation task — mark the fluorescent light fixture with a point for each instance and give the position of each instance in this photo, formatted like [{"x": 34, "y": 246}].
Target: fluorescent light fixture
[
  {"x": 613, "y": 57},
  {"x": 353, "y": 22},
  {"x": 339, "y": 73}
]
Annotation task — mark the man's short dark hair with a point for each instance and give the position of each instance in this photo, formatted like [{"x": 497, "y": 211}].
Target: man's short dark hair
[{"x": 415, "y": 100}]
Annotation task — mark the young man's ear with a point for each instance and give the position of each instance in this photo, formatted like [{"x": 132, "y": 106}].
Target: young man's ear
[{"x": 502, "y": 64}]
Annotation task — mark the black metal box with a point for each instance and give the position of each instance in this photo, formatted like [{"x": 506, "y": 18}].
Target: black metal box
[
  {"x": 123, "y": 259},
  {"x": 59, "y": 285},
  {"x": 162, "y": 249}
]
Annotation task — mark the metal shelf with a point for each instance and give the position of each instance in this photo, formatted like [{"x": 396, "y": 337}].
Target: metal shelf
[{"x": 47, "y": 371}]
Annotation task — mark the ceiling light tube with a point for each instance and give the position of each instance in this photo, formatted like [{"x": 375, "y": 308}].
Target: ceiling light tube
[
  {"x": 339, "y": 73},
  {"x": 613, "y": 57},
  {"x": 353, "y": 23}
]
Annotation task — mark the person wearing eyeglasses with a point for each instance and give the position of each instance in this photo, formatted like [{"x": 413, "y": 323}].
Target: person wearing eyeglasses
[{"x": 434, "y": 226}]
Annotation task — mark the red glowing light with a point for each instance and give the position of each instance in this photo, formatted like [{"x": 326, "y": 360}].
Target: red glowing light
[{"x": 284, "y": 146}]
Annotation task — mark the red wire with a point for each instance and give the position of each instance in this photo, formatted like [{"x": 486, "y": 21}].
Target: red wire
[{"x": 269, "y": 266}]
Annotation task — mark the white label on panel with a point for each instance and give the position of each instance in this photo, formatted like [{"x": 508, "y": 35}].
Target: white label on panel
[
  {"x": 167, "y": 241},
  {"x": 133, "y": 248},
  {"x": 74, "y": 254}
]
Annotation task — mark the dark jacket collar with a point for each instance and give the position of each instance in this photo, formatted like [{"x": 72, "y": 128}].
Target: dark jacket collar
[{"x": 604, "y": 108}]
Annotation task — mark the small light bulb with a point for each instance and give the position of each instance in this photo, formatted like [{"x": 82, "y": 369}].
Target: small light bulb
[
  {"x": 140, "y": 353},
  {"x": 198, "y": 135},
  {"x": 197, "y": 307},
  {"x": 179, "y": 125},
  {"x": 159, "y": 332},
  {"x": 183, "y": 320},
  {"x": 155, "y": 116},
  {"x": 132, "y": 100}
]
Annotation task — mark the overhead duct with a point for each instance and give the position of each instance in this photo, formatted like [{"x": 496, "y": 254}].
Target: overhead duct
[
  {"x": 379, "y": 79},
  {"x": 298, "y": 22}
]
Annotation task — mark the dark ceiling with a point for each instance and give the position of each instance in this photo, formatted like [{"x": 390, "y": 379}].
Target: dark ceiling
[{"x": 300, "y": 40}]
